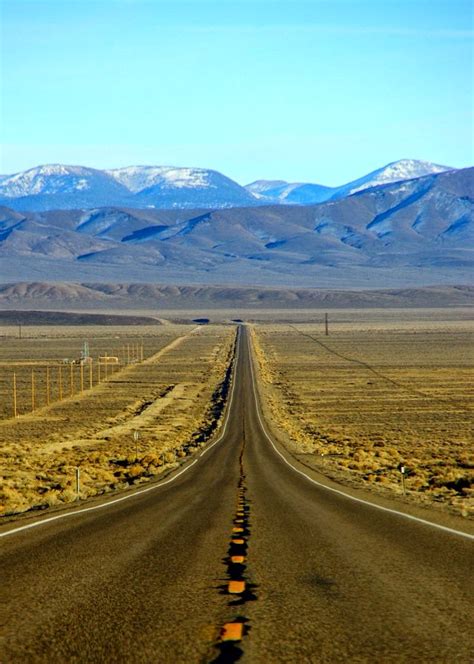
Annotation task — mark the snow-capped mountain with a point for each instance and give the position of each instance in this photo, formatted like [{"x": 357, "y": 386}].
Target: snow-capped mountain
[
  {"x": 55, "y": 179},
  {"x": 295, "y": 193},
  {"x": 417, "y": 231},
  {"x": 138, "y": 178},
  {"x": 302, "y": 193},
  {"x": 173, "y": 187},
  {"x": 70, "y": 187},
  {"x": 266, "y": 187},
  {"x": 404, "y": 169},
  {"x": 58, "y": 186}
]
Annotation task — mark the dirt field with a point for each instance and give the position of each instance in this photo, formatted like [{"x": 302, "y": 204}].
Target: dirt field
[
  {"x": 173, "y": 398},
  {"x": 372, "y": 397}
]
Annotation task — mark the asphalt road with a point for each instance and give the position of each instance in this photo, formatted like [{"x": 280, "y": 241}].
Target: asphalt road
[{"x": 146, "y": 579}]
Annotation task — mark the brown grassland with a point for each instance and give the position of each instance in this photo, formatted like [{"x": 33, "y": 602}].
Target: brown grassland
[
  {"x": 372, "y": 397},
  {"x": 173, "y": 398}
]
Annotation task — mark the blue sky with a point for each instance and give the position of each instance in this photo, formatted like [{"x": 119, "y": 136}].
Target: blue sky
[{"x": 314, "y": 90}]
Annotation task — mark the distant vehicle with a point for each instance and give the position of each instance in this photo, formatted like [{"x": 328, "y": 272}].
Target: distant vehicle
[
  {"x": 108, "y": 359},
  {"x": 82, "y": 360}
]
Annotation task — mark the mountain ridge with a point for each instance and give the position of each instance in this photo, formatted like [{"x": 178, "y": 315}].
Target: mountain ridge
[
  {"x": 413, "y": 232},
  {"x": 59, "y": 186},
  {"x": 304, "y": 193},
  {"x": 31, "y": 296}
]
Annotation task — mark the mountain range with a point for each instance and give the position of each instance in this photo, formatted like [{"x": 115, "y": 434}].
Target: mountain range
[
  {"x": 43, "y": 301},
  {"x": 411, "y": 232},
  {"x": 305, "y": 193},
  {"x": 56, "y": 186}
]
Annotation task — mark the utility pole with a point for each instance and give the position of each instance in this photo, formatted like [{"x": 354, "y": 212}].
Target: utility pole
[
  {"x": 326, "y": 324},
  {"x": 19, "y": 330}
]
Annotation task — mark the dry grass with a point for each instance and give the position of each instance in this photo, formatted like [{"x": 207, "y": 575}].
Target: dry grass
[
  {"x": 170, "y": 398},
  {"x": 377, "y": 397}
]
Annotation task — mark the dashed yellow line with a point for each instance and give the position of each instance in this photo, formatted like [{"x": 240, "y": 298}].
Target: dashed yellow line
[
  {"x": 236, "y": 587},
  {"x": 237, "y": 559},
  {"x": 232, "y": 632}
]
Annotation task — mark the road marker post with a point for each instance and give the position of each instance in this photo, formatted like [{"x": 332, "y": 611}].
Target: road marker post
[
  {"x": 136, "y": 436},
  {"x": 402, "y": 472},
  {"x": 78, "y": 482}
]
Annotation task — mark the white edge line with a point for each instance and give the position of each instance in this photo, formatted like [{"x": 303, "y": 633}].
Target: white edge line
[
  {"x": 460, "y": 533},
  {"x": 158, "y": 485}
]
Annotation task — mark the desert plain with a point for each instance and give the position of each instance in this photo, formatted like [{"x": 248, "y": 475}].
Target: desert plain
[
  {"x": 384, "y": 401},
  {"x": 385, "y": 391},
  {"x": 119, "y": 423}
]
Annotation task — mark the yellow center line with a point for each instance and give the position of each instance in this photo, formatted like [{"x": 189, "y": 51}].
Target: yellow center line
[
  {"x": 236, "y": 587},
  {"x": 232, "y": 632}
]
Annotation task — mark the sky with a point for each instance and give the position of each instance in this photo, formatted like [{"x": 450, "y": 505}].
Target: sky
[{"x": 302, "y": 90}]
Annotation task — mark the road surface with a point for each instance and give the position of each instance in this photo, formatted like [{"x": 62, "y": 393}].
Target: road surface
[{"x": 319, "y": 577}]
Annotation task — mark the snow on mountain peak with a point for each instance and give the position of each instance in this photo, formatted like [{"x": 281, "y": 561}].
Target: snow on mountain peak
[
  {"x": 47, "y": 179},
  {"x": 63, "y": 186},
  {"x": 403, "y": 169},
  {"x": 138, "y": 178}
]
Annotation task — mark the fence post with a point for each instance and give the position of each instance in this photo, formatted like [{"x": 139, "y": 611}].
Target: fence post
[
  {"x": 48, "y": 392},
  {"x": 32, "y": 390},
  {"x": 15, "y": 412}
]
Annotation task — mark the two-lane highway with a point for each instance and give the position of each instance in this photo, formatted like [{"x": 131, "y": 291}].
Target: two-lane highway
[{"x": 326, "y": 578}]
